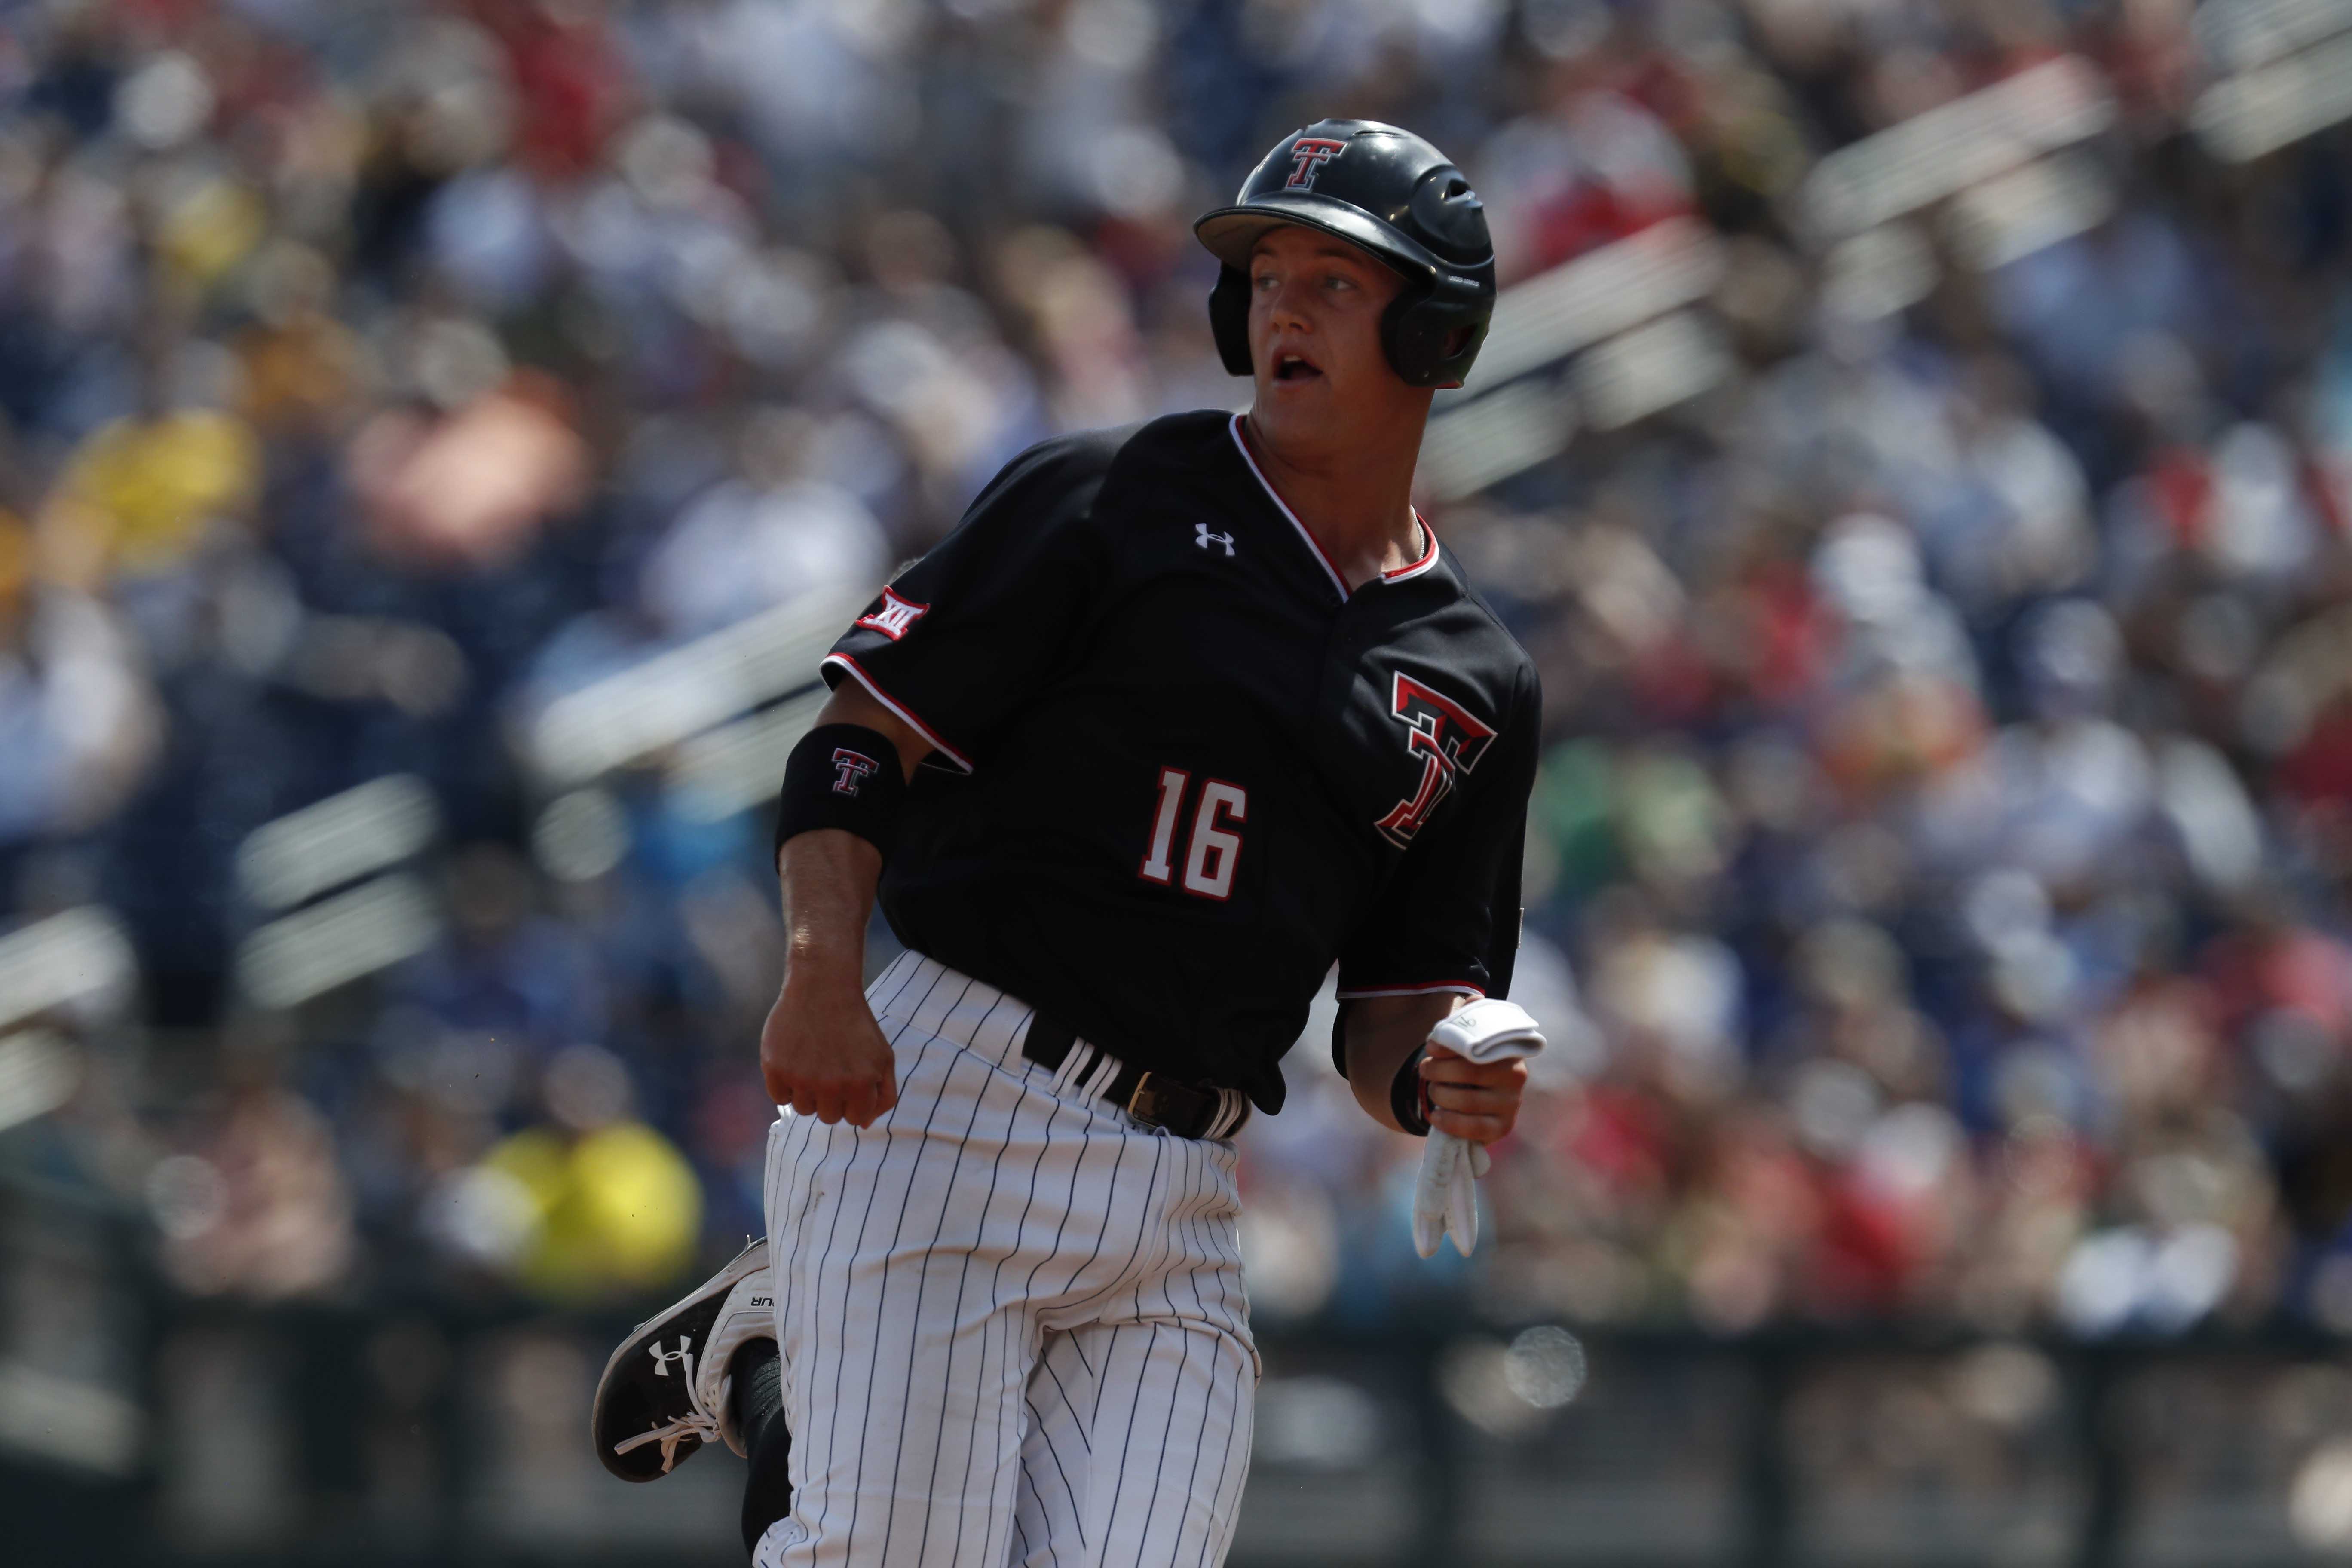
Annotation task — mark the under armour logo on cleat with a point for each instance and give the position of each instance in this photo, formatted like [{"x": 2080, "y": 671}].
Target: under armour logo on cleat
[
  {"x": 662, "y": 1358},
  {"x": 1205, "y": 538}
]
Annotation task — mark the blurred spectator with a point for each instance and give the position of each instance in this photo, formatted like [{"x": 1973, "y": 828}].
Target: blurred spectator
[
  {"x": 588, "y": 1205},
  {"x": 259, "y": 1207},
  {"x": 758, "y": 540},
  {"x": 77, "y": 719},
  {"x": 464, "y": 480},
  {"x": 143, "y": 493},
  {"x": 519, "y": 984}
]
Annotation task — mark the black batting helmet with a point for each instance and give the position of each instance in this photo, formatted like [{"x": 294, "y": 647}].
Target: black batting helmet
[{"x": 1395, "y": 196}]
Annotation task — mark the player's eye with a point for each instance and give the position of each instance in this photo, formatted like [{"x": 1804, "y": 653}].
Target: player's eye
[{"x": 1263, "y": 282}]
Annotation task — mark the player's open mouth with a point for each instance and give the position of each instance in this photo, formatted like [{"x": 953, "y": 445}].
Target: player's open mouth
[{"x": 1293, "y": 367}]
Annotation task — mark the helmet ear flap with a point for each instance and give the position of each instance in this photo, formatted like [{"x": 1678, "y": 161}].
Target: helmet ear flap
[
  {"x": 1229, "y": 320},
  {"x": 1419, "y": 328},
  {"x": 1413, "y": 331}
]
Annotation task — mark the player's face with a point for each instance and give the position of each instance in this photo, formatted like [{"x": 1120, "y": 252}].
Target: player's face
[{"x": 1315, "y": 338}]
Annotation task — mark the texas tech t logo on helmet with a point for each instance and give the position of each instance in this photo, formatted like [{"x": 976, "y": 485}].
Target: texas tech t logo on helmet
[
  {"x": 1308, "y": 156},
  {"x": 1448, "y": 740}
]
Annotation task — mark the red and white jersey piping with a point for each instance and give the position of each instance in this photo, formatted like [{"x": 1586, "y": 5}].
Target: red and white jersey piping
[
  {"x": 900, "y": 709},
  {"x": 1428, "y": 558}
]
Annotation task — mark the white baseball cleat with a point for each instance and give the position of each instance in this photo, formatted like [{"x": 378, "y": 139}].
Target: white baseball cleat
[{"x": 663, "y": 1392}]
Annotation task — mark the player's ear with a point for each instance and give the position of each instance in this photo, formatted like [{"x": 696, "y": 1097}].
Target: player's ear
[{"x": 1455, "y": 342}]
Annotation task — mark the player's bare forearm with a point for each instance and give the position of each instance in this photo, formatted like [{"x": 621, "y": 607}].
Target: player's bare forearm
[
  {"x": 820, "y": 1051},
  {"x": 1479, "y": 1102},
  {"x": 828, "y": 878}
]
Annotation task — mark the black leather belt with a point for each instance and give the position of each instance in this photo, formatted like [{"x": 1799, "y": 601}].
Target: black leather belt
[{"x": 1149, "y": 1097}]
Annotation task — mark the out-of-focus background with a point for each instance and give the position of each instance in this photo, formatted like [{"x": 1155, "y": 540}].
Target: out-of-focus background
[{"x": 435, "y": 440}]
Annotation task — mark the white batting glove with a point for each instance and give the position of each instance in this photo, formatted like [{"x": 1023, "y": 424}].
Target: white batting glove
[{"x": 1446, "y": 1197}]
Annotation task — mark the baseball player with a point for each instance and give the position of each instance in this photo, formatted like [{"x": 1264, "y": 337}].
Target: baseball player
[{"x": 1176, "y": 718}]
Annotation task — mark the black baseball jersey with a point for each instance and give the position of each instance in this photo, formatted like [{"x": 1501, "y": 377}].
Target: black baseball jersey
[{"x": 1179, "y": 769}]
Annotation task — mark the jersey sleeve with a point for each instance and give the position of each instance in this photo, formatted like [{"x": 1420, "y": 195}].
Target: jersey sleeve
[
  {"x": 1448, "y": 919},
  {"x": 962, "y": 637}
]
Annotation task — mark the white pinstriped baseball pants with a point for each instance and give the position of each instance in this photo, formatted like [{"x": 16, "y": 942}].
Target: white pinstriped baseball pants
[{"x": 1011, "y": 1319}]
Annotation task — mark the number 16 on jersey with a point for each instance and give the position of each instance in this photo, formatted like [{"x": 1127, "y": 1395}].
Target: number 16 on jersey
[{"x": 1212, "y": 848}]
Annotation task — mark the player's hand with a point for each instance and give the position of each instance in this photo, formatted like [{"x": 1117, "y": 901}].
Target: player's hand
[
  {"x": 1471, "y": 1100},
  {"x": 822, "y": 1053}
]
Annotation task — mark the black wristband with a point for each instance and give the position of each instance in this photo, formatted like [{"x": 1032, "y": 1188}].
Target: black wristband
[
  {"x": 846, "y": 777},
  {"x": 1407, "y": 1098}
]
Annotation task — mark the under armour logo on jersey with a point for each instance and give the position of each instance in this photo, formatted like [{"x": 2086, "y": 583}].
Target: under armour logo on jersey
[
  {"x": 662, "y": 1358},
  {"x": 1203, "y": 538},
  {"x": 848, "y": 767},
  {"x": 1308, "y": 156},
  {"x": 1448, "y": 740},
  {"x": 896, "y": 618}
]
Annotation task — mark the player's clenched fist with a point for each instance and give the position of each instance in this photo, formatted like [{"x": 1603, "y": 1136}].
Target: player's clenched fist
[
  {"x": 1474, "y": 1101},
  {"x": 822, "y": 1055}
]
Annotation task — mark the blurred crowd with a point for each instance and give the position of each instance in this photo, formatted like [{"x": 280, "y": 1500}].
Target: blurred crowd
[{"x": 1936, "y": 883}]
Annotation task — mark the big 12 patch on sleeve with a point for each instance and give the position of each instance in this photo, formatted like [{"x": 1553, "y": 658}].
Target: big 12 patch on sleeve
[{"x": 897, "y": 616}]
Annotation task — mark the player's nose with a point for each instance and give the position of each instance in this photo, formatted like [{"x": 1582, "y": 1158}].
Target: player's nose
[{"x": 1285, "y": 305}]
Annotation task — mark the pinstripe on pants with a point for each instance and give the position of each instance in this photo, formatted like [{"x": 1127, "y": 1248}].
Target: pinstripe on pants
[{"x": 1011, "y": 1319}]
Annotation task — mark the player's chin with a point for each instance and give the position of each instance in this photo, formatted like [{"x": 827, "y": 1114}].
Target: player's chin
[{"x": 1305, "y": 413}]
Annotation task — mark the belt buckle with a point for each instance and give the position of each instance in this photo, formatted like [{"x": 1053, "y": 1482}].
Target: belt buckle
[{"x": 1142, "y": 1103}]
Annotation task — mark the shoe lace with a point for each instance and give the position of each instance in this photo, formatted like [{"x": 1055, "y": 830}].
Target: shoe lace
[{"x": 698, "y": 1423}]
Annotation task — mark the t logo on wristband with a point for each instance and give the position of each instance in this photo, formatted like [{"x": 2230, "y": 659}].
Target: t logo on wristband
[
  {"x": 846, "y": 777},
  {"x": 848, "y": 768}
]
